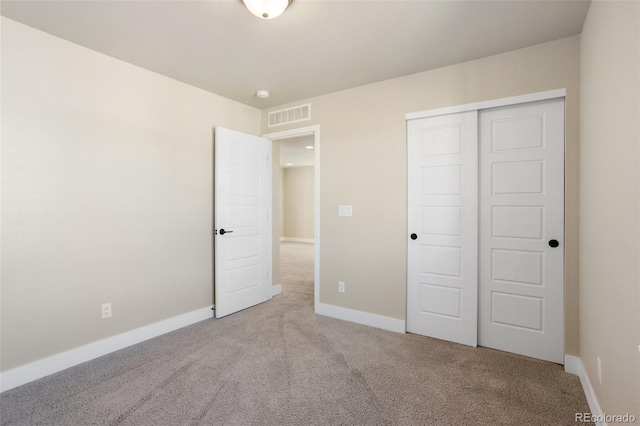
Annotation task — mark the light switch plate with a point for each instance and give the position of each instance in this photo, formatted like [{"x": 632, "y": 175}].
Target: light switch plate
[{"x": 345, "y": 210}]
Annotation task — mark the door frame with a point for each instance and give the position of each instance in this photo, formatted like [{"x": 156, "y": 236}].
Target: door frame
[
  {"x": 495, "y": 103},
  {"x": 315, "y": 132}
]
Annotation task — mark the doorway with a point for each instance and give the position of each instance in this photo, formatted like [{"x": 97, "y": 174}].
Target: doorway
[{"x": 296, "y": 213}]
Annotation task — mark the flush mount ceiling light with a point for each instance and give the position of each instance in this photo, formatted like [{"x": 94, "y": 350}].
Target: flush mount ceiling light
[
  {"x": 262, "y": 94},
  {"x": 267, "y": 9},
  {"x": 309, "y": 147}
]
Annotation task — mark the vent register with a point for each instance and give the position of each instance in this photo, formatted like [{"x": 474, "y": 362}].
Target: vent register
[{"x": 290, "y": 115}]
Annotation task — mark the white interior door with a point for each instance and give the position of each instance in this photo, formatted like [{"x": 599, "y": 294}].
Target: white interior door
[
  {"x": 443, "y": 222},
  {"x": 521, "y": 215},
  {"x": 242, "y": 221}
]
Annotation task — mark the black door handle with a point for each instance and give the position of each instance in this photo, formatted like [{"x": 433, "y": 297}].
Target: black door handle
[
  {"x": 554, "y": 243},
  {"x": 222, "y": 232},
  {"x": 414, "y": 237}
]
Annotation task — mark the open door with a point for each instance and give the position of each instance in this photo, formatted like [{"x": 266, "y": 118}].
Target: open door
[{"x": 242, "y": 221}]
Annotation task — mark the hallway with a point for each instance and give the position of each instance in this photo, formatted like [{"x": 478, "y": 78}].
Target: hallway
[{"x": 296, "y": 267}]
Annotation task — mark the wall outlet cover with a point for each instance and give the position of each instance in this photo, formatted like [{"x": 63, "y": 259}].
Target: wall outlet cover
[{"x": 106, "y": 310}]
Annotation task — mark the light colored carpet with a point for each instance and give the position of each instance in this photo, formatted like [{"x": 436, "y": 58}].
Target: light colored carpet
[
  {"x": 279, "y": 364},
  {"x": 296, "y": 267}
]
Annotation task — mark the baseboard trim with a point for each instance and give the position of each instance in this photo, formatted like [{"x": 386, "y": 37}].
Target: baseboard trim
[
  {"x": 365, "y": 318},
  {"x": 298, "y": 240},
  {"x": 276, "y": 289},
  {"x": 58, "y": 362},
  {"x": 573, "y": 365}
]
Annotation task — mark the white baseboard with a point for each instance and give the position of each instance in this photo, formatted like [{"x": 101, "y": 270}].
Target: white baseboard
[
  {"x": 46, "y": 366},
  {"x": 276, "y": 289},
  {"x": 298, "y": 240},
  {"x": 573, "y": 365},
  {"x": 365, "y": 318}
]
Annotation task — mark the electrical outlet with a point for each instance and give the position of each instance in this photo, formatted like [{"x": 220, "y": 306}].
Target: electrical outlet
[
  {"x": 340, "y": 286},
  {"x": 599, "y": 368},
  {"x": 106, "y": 310}
]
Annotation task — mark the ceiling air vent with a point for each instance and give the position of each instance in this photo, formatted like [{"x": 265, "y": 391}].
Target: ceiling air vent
[{"x": 290, "y": 115}]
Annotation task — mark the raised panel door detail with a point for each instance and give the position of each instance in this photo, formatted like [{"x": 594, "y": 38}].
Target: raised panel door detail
[
  {"x": 517, "y": 266},
  {"x": 517, "y": 133},
  {"x": 441, "y": 180},
  {"x": 517, "y": 310},
  {"x": 441, "y": 141},
  {"x": 244, "y": 153},
  {"x": 440, "y": 300},
  {"x": 243, "y": 215},
  {"x": 442, "y": 220},
  {"x": 243, "y": 247},
  {"x": 517, "y": 221},
  {"x": 243, "y": 184},
  {"x": 521, "y": 177},
  {"x": 243, "y": 278},
  {"x": 439, "y": 260}
]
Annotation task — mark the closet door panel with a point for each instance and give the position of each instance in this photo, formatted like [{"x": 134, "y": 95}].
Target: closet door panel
[
  {"x": 521, "y": 214},
  {"x": 443, "y": 208}
]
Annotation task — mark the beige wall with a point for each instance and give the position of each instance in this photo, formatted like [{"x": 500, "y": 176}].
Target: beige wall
[
  {"x": 363, "y": 163},
  {"x": 610, "y": 204},
  {"x": 298, "y": 198},
  {"x": 106, "y": 194}
]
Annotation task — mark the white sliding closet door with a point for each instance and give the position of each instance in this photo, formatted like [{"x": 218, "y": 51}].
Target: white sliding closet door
[
  {"x": 522, "y": 229},
  {"x": 443, "y": 223},
  {"x": 486, "y": 228}
]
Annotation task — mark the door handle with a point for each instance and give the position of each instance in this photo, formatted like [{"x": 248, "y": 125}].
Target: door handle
[
  {"x": 414, "y": 236},
  {"x": 554, "y": 243},
  {"x": 222, "y": 231}
]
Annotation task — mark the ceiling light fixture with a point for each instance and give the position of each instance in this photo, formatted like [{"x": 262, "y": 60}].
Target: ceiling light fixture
[
  {"x": 267, "y": 9},
  {"x": 309, "y": 147},
  {"x": 262, "y": 94},
  {"x": 289, "y": 164}
]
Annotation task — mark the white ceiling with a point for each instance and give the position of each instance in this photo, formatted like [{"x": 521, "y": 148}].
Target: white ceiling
[
  {"x": 293, "y": 151},
  {"x": 315, "y": 47}
]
